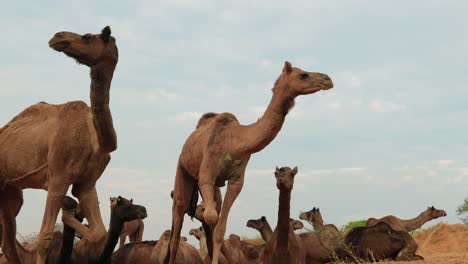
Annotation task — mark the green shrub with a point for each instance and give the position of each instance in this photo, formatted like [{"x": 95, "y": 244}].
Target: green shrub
[
  {"x": 463, "y": 210},
  {"x": 353, "y": 224}
]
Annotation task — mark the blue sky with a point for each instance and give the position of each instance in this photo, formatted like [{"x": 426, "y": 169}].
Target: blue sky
[{"x": 390, "y": 138}]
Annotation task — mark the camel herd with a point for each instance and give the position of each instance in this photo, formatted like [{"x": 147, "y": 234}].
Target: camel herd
[{"x": 58, "y": 146}]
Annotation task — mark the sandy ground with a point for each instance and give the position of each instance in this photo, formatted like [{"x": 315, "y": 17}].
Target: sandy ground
[{"x": 442, "y": 244}]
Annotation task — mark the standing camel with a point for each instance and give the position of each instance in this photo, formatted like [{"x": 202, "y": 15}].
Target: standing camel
[
  {"x": 131, "y": 229},
  {"x": 284, "y": 247},
  {"x": 51, "y": 147},
  {"x": 219, "y": 150}
]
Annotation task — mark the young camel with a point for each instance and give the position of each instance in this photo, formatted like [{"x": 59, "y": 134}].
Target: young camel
[
  {"x": 133, "y": 229},
  {"x": 409, "y": 225},
  {"x": 284, "y": 246},
  {"x": 219, "y": 150},
  {"x": 262, "y": 226},
  {"x": 51, "y": 147}
]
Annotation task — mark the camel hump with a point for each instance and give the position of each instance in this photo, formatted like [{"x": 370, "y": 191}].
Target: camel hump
[
  {"x": 206, "y": 118},
  {"x": 226, "y": 118}
]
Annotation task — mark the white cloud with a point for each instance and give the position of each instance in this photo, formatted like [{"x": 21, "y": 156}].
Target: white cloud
[
  {"x": 186, "y": 117},
  {"x": 385, "y": 106},
  {"x": 445, "y": 162}
]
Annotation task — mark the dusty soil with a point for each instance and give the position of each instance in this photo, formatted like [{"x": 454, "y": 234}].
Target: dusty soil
[{"x": 442, "y": 244}]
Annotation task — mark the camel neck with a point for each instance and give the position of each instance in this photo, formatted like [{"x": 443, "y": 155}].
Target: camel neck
[
  {"x": 203, "y": 247},
  {"x": 266, "y": 232},
  {"x": 113, "y": 234},
  {"x": 283, "y": 226},
  {"x": 417, "y": 222},
  {"x": 259, "y": 134},
  {"x": 318, "y": 224},
  {"x": 101, "y": 78}
]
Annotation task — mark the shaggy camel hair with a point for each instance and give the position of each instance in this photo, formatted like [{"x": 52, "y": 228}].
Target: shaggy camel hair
[
  {"x": 379, "y": 242},
  {"x": 262, "y": 226},
  {"x": 284, "y": 246},
  {"x": 123, "y": 211},
  {"x": 133, "y": 229},
  {"x": 51, "y": 147},
  {"x": 219, "y": 150},
  {"x": 409, "y": 225},
  {"x": 321, "y": 244}
]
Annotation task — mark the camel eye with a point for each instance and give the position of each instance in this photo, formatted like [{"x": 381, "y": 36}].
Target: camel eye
[
  {"x": 303, "y": 76},
  {"x": 87, "y": 37}
]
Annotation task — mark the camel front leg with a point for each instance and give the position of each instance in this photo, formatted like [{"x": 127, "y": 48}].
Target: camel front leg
[
  {"x": 409, "y": 252},
  {"x": 89, "y": 204},
  {"x": 233, "y": 190},
  {"x": 55, "y": 194}
]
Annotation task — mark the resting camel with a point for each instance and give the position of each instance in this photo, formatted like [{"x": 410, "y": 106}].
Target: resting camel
[
  {"x": 379, "y": 241},
  {"x": 133, "y": 229},
  {"x": 284, "y": 246},
  {"x": 321, "y": 244},
  {"x": 409, "y": 225},
  {"x": 51, "y": 147},
  {"x": 219, "y": 150},
  {"x": 264, "y": 228}
]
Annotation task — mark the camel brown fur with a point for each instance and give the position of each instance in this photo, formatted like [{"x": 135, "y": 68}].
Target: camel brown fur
[
  {"x": 264, "y": 228},
  {"x": 132, "y": 229},
  {"x": 51, "y": 147},
  {"x": 284, "y": 246},
  {"x": 219, "y": 150},
  {"x": 321, "y": 244},
  {"x": 379, "y": 242},
  {"x": 409, "y": 225},
  {"x": 123, "y": 211},
  {"x": 187, "y": 254}
]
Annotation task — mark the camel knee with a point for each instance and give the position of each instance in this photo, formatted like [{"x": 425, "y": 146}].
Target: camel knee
[
  {"x": 44, "y": 242},
  {"x": 211, "y": 216}
]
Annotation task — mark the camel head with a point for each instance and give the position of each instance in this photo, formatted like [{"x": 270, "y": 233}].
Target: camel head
[
  {"x": 88, "y": 49},
  {"x": 312, "y": 215},
  {"x": 197, "y": 232},
  {"x": 285, "y": 178},
  {"x": 435, "y": 213},
  {"x": 258, "y": 223},
  {"x": 125, "y": 210},
  {"x": 294, "y": 82},
  {"x": 296, "y": 224}
]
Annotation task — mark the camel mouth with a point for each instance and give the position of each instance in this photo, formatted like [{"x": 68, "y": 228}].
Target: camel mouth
[
  {"x": 250, "y": 224},
  {"x": 58, "y": 44}
]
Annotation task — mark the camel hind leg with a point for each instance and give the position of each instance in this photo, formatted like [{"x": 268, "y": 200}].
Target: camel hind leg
[
  {"x": 183, "y": 190},
  {"x": 11, "y": 200}
]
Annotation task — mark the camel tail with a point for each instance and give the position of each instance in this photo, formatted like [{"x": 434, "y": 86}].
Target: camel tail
[{"x": 194, "y": 200}]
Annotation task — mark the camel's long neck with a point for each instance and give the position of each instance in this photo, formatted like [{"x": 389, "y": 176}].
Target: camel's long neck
[
  {"x": 266, "y": 232},
  {"x": 203, "y": 247},
  {"x": 68, "y": 240},
  {"x": 101, "y": 78},
  {"x": 283, "y": 220},
  {"x": 113, "y": 234},
  {"x": 318, "y": 224},
  {"x": 417, "y": 222},
  {"x": 259, "y": 134}
]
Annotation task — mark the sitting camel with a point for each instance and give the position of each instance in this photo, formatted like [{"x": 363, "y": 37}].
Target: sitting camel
[
  {"x": 265, "y": 230},
  {"x": 284, "y": 246},
  {"x": 133, "y": 229},
  {"x": 54, "y": 146},
  {"x": 378, "y": 242},
  {"x": 409, "y": 225},
  {"x": 218, "y": 152},
  {"x": 321, "y": 244}
]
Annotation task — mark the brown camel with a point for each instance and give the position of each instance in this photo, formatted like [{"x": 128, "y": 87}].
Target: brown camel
[
  {"x": 54, "y": 146},
  {"x": 188, "y": 254},
  {"x": 379, "y": 242},
  {"x": 321, "y": 244},
  {"x": 219, "y": 150},
  {"x": 133, "y": 229},
  {"x": 264, "y": 228},
  {"x": 284, "y": 246},
  {"x": 409, "y": 225}
]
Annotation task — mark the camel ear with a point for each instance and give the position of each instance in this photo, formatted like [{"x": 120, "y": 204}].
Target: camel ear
[
  {"x": 263, "y": 218},
  {"x": 131, "y": 200},
  {"x": 276, "y": 170},
  {"x": 432, "y": 208},
  {"x": 287, "y": 67},
  {"x": 172, "y": 194},
  {"x": 318, "y": 209},
  {"x": 295, "y": 170},
  {"x": 105, "y": 34}
]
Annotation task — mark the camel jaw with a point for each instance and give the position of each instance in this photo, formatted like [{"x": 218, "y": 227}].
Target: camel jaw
[{"x": 58, "y": 44}]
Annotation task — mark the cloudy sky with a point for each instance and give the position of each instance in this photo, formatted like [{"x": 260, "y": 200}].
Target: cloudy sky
[{"x": 390, "y": 138}]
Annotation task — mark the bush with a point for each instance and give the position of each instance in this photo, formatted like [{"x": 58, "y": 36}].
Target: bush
[
  {"x": 353, "y": 224},
  {"x": 463, "y": 210}
]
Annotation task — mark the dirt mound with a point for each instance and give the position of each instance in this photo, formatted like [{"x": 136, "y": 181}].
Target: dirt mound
[{"x": 443, "y": 238}]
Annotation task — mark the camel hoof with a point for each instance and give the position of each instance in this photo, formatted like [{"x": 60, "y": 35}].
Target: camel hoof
[{"x": 211, "y": 216}]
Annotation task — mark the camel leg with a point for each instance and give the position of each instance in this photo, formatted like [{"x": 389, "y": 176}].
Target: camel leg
[
  {"x": 141, "y": 228},
  {"x": 183, "y": 188},
  {"x": 55, "y": 194},
  {"x": 207, "y": 228},
  {"x": 122, "y": 239},
  {"x": 11, "y": 201},
  {"x": 233, "y": 190},
  {"x": 408, "y": 252},
  {"x": 89, "y": 204}
]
